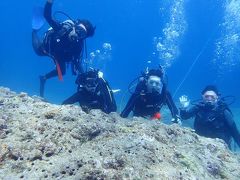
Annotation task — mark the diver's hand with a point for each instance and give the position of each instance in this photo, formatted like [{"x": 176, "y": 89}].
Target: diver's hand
[
  {"x": 184, "y": 101},
  {"x": 177, "y": 120}
]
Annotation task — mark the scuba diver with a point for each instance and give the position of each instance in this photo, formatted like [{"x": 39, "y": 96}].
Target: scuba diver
[
  {"x": 93, "y": 92},
  {"x": 149, "y": 96},
  {"x": 63, "y": 42},
  {"x": 213, "y": 118}
]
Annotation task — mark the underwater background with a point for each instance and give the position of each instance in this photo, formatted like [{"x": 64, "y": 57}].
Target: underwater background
[{"x": 196, "y": 41}]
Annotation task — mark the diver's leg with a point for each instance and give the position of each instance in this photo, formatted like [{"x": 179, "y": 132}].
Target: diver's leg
[
  {"x": 54, "y": 72},
  {"x": 37, "y": 44},
  {"x": 44, "y": 78},
  {"x": 42, "y": 85},
  {"x": 49, "y": 75}
]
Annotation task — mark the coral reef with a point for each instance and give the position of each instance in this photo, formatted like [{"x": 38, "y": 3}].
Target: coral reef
[{"x": 39, "y": 140}]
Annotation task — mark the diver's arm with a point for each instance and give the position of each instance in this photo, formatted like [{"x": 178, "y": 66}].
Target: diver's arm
[
  {"x": 129, "y": 106},
  {"x": 48, "y": 15},
  {"x": 72, "y": 99},
  {"x": 232, "y": 126},
  {"x": 188, "y": 113},
  {"x": 171, "y": 105},
  {"x": 109, "y": 104}
]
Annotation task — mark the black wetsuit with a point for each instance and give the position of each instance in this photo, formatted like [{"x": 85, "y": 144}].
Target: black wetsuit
[
  {"x": 146, "y": 104},
  {"x": 213, "y": 122},
  {"x": 101, "y": 98},
  {"x": 57, "y": 45}
]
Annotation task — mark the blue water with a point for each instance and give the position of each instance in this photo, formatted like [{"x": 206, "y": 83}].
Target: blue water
[{"x": 173, "y": 33}]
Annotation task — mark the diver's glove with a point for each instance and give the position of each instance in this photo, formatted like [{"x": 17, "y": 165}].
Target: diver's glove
[
  {"x": 177, "y": 120},
  {"x": 184, "y": 101}
]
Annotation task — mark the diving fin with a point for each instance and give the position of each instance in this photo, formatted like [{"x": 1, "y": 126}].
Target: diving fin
[{"x": 38, "y": 18}]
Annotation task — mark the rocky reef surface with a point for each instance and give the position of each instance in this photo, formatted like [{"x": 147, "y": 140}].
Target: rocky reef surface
[{"x": 39, "y": 140}]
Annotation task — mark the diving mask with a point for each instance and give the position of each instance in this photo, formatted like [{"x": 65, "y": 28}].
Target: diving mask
[
  {"x": 154, "y": 84},
  {"x": 210, "y": 98},
  {"x": 78, "y": 32}
]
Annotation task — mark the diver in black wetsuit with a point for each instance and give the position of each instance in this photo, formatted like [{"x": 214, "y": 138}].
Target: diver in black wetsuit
[
  {"x": 93, "y": 93},
  {"x": 213, "y": 118},
  {"x": 150, "y": 95},
  {"x": 63, "y": 42}
]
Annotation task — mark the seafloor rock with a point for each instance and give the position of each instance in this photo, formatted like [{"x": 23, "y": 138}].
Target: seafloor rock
[{"x": 39, "y": 140}]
